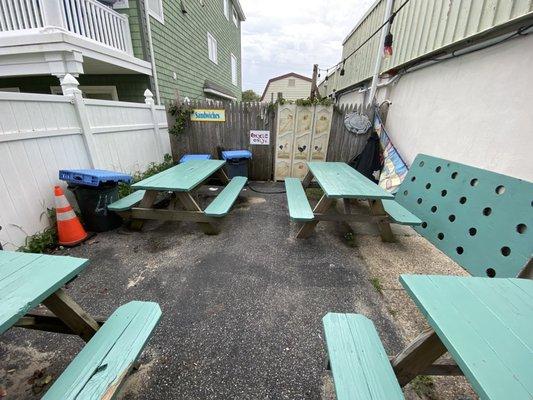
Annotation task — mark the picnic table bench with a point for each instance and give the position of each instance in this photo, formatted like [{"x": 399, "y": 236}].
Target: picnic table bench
[
  {"x": 27, "y": 280},
  {"x": 341, "y": 183},
  {"x": 181, "y": 180},
  {"x": 481, "y": 220}
]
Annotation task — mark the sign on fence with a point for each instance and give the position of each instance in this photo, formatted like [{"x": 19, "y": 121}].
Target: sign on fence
[
  {"x": 260, "y": 137},
  {"x": 204, "y": 115}
]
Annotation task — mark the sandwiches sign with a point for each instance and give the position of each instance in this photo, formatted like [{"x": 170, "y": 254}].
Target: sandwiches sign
[{"x": 203, "y": 115}]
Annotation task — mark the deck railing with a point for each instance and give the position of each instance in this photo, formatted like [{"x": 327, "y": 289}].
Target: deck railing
[{"x": 87, "y": 18}]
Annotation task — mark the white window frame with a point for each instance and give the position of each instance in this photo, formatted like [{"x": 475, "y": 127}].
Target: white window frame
[
  {"x": 157, "y": 14},
  {"x": 110, "y": 89},
  {"x": 212, "y": 48},
  {"x": 293, "y": 81},
  {"x": 234, "y": 66},
  {"x": 235, "y": 17},
  {"x": 226, "y": 8}
]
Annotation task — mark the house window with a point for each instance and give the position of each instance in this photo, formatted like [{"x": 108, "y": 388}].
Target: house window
[
  {"x": 212, "y": 48},
  {"x": 235, "y": 17},
  {"x": 234, "y": 71},
  {"x": 226, "y": 8},
  {"x": 92, "y": 92},
  {"x": 155, "y": 9},
  {"x": 292, "y": 82}
]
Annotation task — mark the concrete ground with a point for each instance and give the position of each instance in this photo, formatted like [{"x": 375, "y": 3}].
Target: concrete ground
[{"x": 242, "y": 310}]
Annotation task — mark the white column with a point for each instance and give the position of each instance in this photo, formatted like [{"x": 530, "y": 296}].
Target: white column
[
  {"x": 69, "y": 84},
  {"x": 149, "y": 100}
]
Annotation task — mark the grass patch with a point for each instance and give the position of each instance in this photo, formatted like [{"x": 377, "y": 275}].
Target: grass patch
[
  {"x": 423, "y": 386},
  {"x": 45, "y": 241},
  {"x": 125, "y": 189},
  {"x": 377, "y": 285},
  {"x": 314, "y": 193}
]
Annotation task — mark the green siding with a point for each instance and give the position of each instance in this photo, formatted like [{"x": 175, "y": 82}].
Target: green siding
[
  {"x": 180, "y": 46},
  {"x": 129, "y": 87},
  {"x": 134, "y": 13}
]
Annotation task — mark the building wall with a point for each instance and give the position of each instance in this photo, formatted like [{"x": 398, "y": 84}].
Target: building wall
[
  {"x": 301, "y": 89},
  {"x": 180, "y": 47},
  {"x": 474, "y": 109},
  {"x": 129, "y": 87},
  {"x": 422, "y": 27}
]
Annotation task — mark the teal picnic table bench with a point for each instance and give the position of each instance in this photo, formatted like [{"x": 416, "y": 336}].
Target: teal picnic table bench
[
  {"x": 113, "y": 345},
  {"x": 483, "y": 221},
  {"x": 341, "y": 183},
  {"x": 181, "y": 180}
]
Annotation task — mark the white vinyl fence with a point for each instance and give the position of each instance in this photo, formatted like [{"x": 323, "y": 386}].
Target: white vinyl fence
[{"x": 41, "y": 134}]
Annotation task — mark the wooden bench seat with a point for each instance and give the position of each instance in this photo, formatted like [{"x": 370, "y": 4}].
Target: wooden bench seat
[
  {"x": 399, "y": 214},
  {"x": 99, "y": 369},
  {"x": 221, "y": 205},
  {"x": 359, "y": 364},
  {"x": 299, "y": 207},
  {"x": 126, "y": 203}
]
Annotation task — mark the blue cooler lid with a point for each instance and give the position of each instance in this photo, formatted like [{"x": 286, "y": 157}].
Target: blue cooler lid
[
  {"x": 235, "y": 154},
  {"x": 92, "y": 177},
  {"x": 189, "y": 157}
]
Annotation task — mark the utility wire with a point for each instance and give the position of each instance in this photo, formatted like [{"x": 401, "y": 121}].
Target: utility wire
[{"x": 389, "y": 20}]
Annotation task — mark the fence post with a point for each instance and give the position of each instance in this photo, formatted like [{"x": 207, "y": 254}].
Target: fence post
[
  {"x": 69, "y": 84},
  {"x": 149, "y": 100}
]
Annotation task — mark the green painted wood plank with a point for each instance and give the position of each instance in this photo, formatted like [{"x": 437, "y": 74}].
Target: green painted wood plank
[
  {"x": 339, "y": 180},
  {"x": 299, "y": 207},
  {"x": 109, "y": 354},
  {"x": 359, "y": 364},
  {"x": 486, "y": 326},
  {"x": 400, "y": 214},
  {"x": 127, "y": 202},
  {"x": 480, "y": 219},
  {"x": 181, "y": 178},
  {"x": 221, "y": 205},
  {"x": 27, "y": 279}
]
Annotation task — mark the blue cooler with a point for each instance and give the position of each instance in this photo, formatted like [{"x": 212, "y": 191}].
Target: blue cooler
[{"x": 237, "y": 162}]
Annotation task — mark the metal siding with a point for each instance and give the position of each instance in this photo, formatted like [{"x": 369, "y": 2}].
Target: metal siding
[{"x": 422, "y": 27}]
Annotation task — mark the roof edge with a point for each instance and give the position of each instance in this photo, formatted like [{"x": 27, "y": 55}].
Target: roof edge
[{"x": 277, "y": 78}]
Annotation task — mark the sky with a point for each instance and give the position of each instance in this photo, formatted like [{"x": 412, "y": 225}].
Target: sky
[{"x": 281, "y": 36}]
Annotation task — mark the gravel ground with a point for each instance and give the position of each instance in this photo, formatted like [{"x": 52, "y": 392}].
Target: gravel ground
[{"x": 242, "y": 310}]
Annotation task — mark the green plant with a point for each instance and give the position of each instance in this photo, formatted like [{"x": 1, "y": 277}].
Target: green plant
[
  {"x": 314, "y": 193},
  {"x": 377, "y": 285},
  {"x": 423, "y": 386},
  {"x": 45, "y": 241},
  {"x": 324, "y": 101},
  {"x": 125, "y": 189},
  {"x": 182, "y": 112}
]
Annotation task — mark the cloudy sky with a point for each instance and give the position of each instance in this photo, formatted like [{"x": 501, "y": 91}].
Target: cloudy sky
[{"x": 281, "y": 36}]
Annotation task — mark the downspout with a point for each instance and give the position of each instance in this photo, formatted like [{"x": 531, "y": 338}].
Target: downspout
[
  {"x": 379, "y": 55},
  {"x": 152, "y": 57}
]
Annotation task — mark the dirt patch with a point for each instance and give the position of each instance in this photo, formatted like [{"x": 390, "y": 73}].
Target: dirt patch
[{"x": 135, "y": 384}]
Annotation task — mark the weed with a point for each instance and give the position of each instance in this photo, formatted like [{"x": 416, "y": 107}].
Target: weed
[
  {"x": 392, "y": 312},
  {"x": 125, "y": 189},
  {"x": 423, "y": 386},
  {"x": 377, "y": 285},
  {"x": 45, "y": 241},
  {"x": 314, "y": 193}
]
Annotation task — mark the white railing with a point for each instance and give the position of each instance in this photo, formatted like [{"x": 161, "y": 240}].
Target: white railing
[{"x": 87, "y": 18}]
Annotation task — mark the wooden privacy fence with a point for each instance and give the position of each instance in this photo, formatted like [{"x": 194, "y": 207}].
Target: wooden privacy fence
[{"x": 234, "y": 133}]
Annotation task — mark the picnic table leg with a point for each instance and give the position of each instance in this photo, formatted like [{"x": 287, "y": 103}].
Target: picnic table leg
[
  {"x": 223, "y": 177},
  {"x": 345, "y": 208},
  {"x": 190, "y": 205},
  {"x": 307, "y": 229},
  {"x": 72, "y": 314},
  {"x": 417, "y": 357},
  {"x": 307, "y": 179},
  {"x": 147, "y": 202},
  {"x": 376, "y": 208}
]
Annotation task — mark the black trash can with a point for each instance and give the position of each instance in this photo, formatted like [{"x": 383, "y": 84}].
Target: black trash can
[
  {"x": 94, "y": 191},
  {"x": 237, "y": 162}
]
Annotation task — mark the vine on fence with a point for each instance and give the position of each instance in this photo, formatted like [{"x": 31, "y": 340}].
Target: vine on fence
[{"x": 182, "y": 112}]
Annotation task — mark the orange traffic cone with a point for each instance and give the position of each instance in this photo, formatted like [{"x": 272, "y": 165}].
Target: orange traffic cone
[{"x": 69, "y": 227}]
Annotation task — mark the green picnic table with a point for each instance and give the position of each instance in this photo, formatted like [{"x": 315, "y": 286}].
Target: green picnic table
[
  {"x": 181, "y": 180},
  {"x": 340, "y": 183},
  {"x": 113, "y": 345}
]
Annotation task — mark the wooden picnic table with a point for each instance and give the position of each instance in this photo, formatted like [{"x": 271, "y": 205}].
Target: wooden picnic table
[
  {"x": 341, "y": 182},
  {"x": 485, "y": 324},
  {"x": 27, "y": 280},
  {"x": 182, "y": 180}
]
